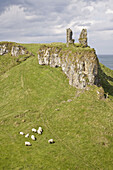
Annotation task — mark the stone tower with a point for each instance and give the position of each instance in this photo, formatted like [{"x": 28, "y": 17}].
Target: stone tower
[
  {"x": 69, "y": 34},
  {"x": 83, "y": 37}
]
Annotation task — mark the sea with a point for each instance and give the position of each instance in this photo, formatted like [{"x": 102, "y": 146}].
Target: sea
[{"x": 107, "y": 60}]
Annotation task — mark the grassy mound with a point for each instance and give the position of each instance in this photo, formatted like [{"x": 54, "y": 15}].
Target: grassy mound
[{"x": 79, "y": 122}]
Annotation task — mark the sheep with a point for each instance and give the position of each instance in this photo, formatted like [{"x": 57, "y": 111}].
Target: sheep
[
  {"x": 40, "y": 129},
  {"x": 27, "y": 144},
  {"x": 33, "y": 137},
  {"x": 21, "y": 133},
  {"x": 27, "y": 135},
  {"x": 34, "y": 130},
  {"x": 39, "y": 132},
  {"x": 50, "y": 141}
]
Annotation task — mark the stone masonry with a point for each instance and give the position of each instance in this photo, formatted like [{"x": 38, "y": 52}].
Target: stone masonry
[
  {"x": 83, "y": 37},
  {"x": 69, "y": 37}
]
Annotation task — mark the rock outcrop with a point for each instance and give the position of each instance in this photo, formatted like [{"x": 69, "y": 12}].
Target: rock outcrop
[
  {"x": 3, "y": 49},
  {"x": 80, "y": 66},
  {"x": 13, "y": 48},
  {"x": 17, "y": 50}
]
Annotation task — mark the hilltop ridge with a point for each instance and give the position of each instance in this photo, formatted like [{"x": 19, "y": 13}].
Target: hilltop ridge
[{"x": 78, "y": 61}]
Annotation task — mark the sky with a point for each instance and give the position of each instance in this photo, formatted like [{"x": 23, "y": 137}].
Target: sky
[{"x": 44, "y": 21}]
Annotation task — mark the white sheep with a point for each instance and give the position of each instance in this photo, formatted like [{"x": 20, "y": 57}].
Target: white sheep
[
  {"x": 39, "y": 132},
  {"x": 27, "y": 144},
  {"x": 34, "y": 130},
  {"x": 27, "y": 135},
  {"x": 21, "y": 133},
  {"x": 40, "y": 129},
  {"x": 50, "y": 141},
  {"x": 33, "y": 137}
]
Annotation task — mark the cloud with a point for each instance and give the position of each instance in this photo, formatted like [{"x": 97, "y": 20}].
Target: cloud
[
  {"x": 47, "y": 20},
  {"x": 109, "y": 11},
  {"x": 31, "y": 17},
  {"x": 12, "y": 18},
  {"x": 90, "y": 8}
]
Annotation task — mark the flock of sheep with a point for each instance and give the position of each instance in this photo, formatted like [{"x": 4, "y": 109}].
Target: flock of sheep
[{"x": 39, "y": 131}]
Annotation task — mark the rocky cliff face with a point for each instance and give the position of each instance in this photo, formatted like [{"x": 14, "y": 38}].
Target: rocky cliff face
[
  {"x": 3, "y": 49},
  {"x": 80, "y": 66},
  {"x": 17, "y": 50},
  {"x": 12, "y": 48}
]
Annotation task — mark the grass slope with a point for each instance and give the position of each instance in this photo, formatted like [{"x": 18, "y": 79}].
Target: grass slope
[
  {"x": 33, "y": 96},
  {"x": 7, "y": 61}
]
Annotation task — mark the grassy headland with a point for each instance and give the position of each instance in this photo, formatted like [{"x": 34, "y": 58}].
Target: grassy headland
[{"x": 82, "y": 127}]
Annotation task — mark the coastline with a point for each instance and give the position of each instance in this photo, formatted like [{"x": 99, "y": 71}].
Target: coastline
[{"x": 107, "y": 60}]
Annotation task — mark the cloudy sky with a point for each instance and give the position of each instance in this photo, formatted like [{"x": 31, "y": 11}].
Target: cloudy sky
[{"x": 43, "y": 21}]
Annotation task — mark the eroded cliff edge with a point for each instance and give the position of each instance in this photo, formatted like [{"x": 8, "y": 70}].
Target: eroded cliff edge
[
  {"x": 79, "y": 64},
  {"x": 13, "y": 48}
]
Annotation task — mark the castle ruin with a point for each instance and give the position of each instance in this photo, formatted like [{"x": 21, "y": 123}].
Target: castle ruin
[
  {"x": 69, "y": 37},
  {"x": 82, "y": 39}
]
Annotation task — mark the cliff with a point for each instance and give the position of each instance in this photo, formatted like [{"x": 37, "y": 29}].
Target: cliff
[
  {"x": 13, "y": 48},
  {"x": 78, "y": 63}
]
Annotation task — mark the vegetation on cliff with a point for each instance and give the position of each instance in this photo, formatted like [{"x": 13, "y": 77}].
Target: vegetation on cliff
[{"x": 79, "y": 121}]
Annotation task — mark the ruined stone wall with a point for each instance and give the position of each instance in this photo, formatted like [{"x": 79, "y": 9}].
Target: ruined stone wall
[
  {"x": 83, "y": 38},
  {"x": 69, "y": 34},
  {"x": 80, "y": 67}
]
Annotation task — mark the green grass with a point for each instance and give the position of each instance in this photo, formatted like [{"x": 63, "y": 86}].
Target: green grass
[
  {"x": 106, "y": 76},
  {"x": 33, "y": 48},
  {"x": 74, "y": 48},
  {"x": 82, "y": 129},
  {"x": 7, "y": 61}
]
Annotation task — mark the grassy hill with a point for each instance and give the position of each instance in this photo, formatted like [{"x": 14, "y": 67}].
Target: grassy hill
[{"x": 80, "y": 123}]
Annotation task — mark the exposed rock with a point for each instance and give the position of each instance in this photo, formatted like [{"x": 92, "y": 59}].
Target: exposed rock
[
  {"x": 13, "y": 48},
  {"x": 17, "y": 50},
  {"x": 83, "y": 38},
  {"x": 3, "y": 49},
  {"x": 69, "y": 37},
  {"x": 81, "y": 67},
  {"x": 101, "y": 94}
]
